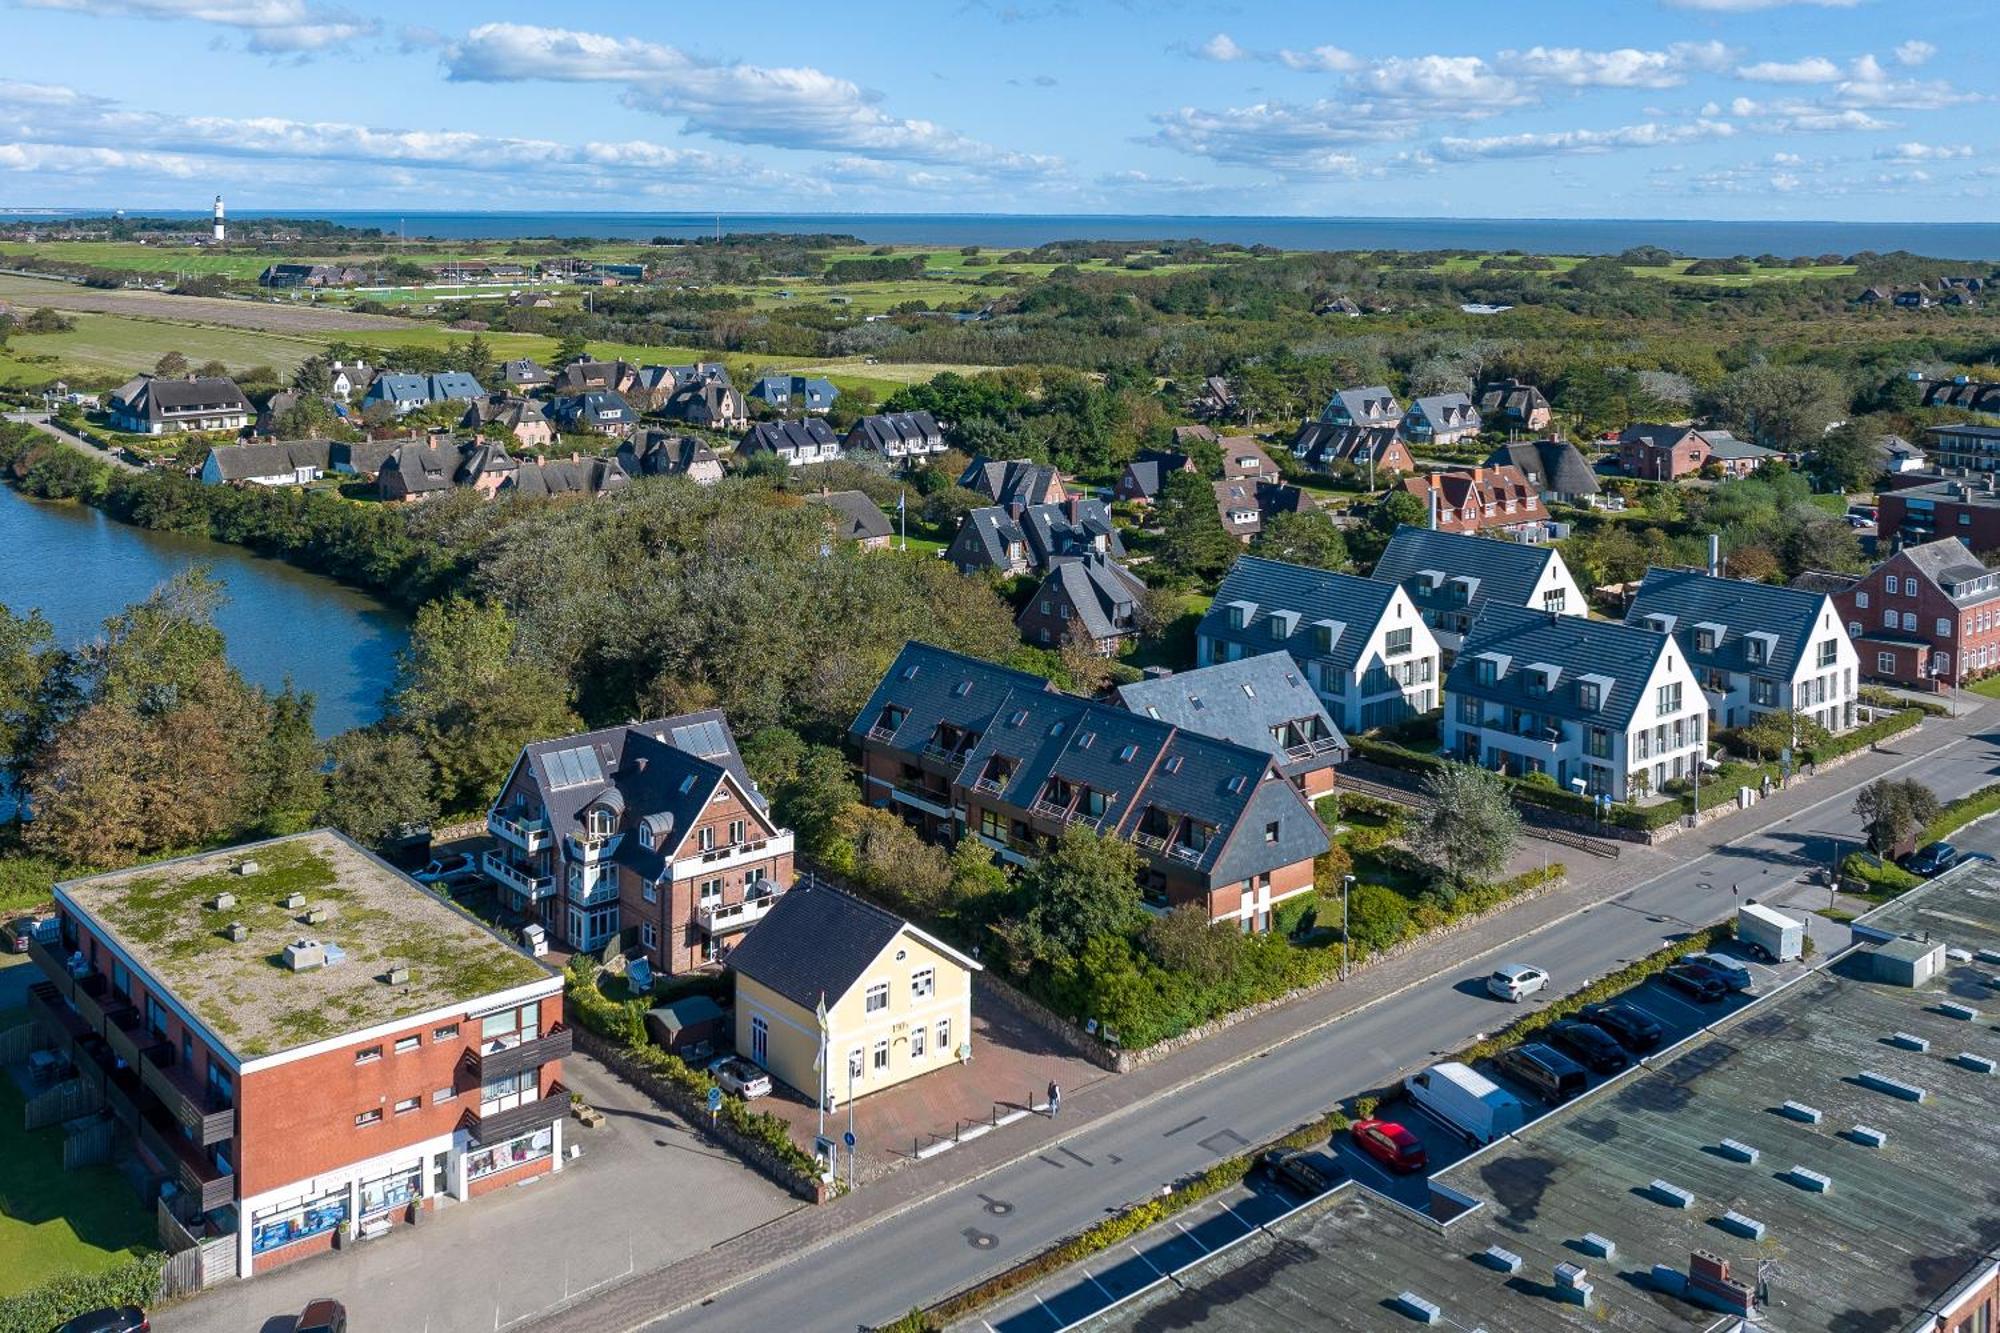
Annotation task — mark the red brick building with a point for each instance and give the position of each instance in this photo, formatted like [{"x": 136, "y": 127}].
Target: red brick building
[
  {"x": 1481, "y": 499},
  {"x": 1928, "y": 616},
  {"x": 1965, "y": 508},
  {"x": 299, "y": 1040}
]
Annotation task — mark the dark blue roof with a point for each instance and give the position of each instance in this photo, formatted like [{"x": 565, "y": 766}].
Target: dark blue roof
[
  {"x": 1507, "y": 571},
  {"x": 1577, "y": 646},
  {"x": 1740, "y": 607},
  {"x": 1312, "y": 595}
]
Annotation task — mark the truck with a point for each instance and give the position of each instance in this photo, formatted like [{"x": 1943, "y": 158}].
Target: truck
[
  {"x": 1466, "y": 1101},
  {"x": 1769, "y": 934}
]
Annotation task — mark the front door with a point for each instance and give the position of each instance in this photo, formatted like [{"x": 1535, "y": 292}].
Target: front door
[
  {"x": 441, "y": 1173},
  {"x": 760, "y": 1040}
]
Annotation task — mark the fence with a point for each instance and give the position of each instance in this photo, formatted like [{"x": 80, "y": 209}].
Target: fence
[
  {"x": 88, "y": 1142},
  {"x": 17, "y": 1041},
  {"x": 191, "y": 1264},
  {"x": 1534, "y": 821},
  {"x": 65, "y": 1101}
]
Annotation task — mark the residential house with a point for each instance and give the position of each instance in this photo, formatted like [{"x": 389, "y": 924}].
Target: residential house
[
  {"x": 1736, "y": 458},
  {"x": 1452, "y": 577},
  {"x": 897, "y": 436},
  {"x": 1512, "y": 404},
  {"x": 1662, "y": 453},
  {"x": 593, "y": 476},
  {"x": 1962, "y": 393},
  {"x": 1965, "y": 446},
  {"x": 1244, "y": 459},
  {"x": 284, "y": 463},
  {"x": 280, "y": 405},
  {"x": 1339, "y": 305},
  {"x": 1186, "y": 436},
  {"x": 292, "y": 1091},
  {"x": 1441, "y": 419},
  {"x": 786, "y": 392},
  {"x": 1914, "y": 299},
  {"x": 1754, "y": 648},
  {"x": 1603, "y": 709},
  {"x": 1900, "y": 457},
  {"x": 807, "y": 440},
  {"x": 1261, "y": 703},
  {"x": 1556, "y": 468},
  {"x": 1246, "y": 504},
  {"x": 838, "y": 998},
  {"x": 581, "y": 377},
  {"x": 522, "y": 419},
  {"x": 153, "y": 405},
  {"x": 311, "y": 276},
  {"x": 1013, "y": 481},
  {"x": 1370, "y": 406},
  {"x": 362, "y": 458},
  {"x": 1483, "y": 499},
  {"x": 650, "y": 388},
  {"x": 707, "y": 402},
  {"x": 1926, "y": 617},
  {"x": 404, "y": 393},
  {"x": 599, "y": 412},
  {"x": 650, "y": 827},
  {"x": 1364, "y": 646},
  {"x": 1016, "y": 539},
  {"x": 856, "y": 518},
  {"x": 962, "y": 748},
  {"x": 1144, "y": 476},
  {"x": 1215, "y": 401},
  {"x": 344, "y": 379},
  {"x": 1090, "y": 600},
  {"x": 423, "y": 469},
  {"x": 524, "y": 376},
  {"x": 658, "y": 453},
  {"x": 1964, "y": 507},
  {"x": 1321, "y": 445}
]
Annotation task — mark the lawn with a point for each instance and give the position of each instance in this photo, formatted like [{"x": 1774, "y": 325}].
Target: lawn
[
  {"x": 54, "y": 1221},
  {"x": 1990, "y": 687},
  {"x": 103, "y": 347}
]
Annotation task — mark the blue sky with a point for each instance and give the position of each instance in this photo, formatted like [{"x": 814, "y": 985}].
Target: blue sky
[{"x": 1839, "y": 109}]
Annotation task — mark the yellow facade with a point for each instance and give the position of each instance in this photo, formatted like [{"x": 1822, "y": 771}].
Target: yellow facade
[{"x": 908, "y": 1033}]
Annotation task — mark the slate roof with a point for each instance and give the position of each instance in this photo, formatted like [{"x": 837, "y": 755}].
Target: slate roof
[
  {"x": 1579, "y": 646},
  {"x": 896, "y": 432},
  {"x": 1244, "y": 457},
  {"x": 597, "y": 407},
  {"x": 1740, "y": 606},
  {"x": 1510, "y": 398},
  {"x": 454, "y": 384},
  {"x": 818, "y": 942},
  {"x": 787, "y": 438},
  {"x": 1313, "y": 594},
  {"x": 1245, "y": 701},
  {"x": 940, "y": 687},
  {"x": 1950, "y": 564},
  {"x": 1007, "y": 481},
  {"x": 1504, "y": 571},
  {"x": 241, "y": 462},
  {"x": 1102, "y": 594},
  {"x": 858, "y": 517},
  {"x": 1321, "y": 444},
  {"x": 416, "y": 468},
  {"x": 525, "y": 374},
  {"x": 1047, "y": 532},
  {"x": 1657, "y": 436},
  {"x": 395, "y": 386},
  {"x": 1373, "y": 405},
  {"x": 1723, "y": 445},
  {"x": 1445, "y": 411},
  {"x": 1264, "y": 497},
  {"x": 1969, "y": 394},
  {"x": 1551, "y": 465}
]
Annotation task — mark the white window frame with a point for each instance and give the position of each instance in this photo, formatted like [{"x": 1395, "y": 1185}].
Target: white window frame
[
  {"x": 877, "y": 999},
  {"x": 923, "y": 983},
  {"x": 944, "y": 1034},
  {"x": 917, "y": 1035},
  {"x": 881, "y": 1061}
]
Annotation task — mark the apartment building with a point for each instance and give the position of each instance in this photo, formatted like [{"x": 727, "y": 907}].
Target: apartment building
[
  {"x": 1452, "y": 577},
  {"x": 1441, "y": 419},
  {"x": 1372, "y": 405},
  {"x": 1926, "y": 617},
  {"x": 962, "y": 748},
  {"x": 1963, "y": 507},
  {"x": 1604, "y": 709},
  {"x": 1261, "y": 703},
  {"x": 1483, "y": 499},
  {"x": 1362, "y": 643},
  {"x": 155, "y": 405},
  {"x": 302, "y": 1041},
  {"x": 1965, "y": 446},
  {"x": 653, "y": 829},
  {"x": 1016, "y": 538},
  {"x": 1012, "y": 481},
  {"x": 1754, "y": 648}
]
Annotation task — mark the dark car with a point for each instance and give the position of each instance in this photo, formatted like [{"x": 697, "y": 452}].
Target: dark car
[
  {"x": 1932, "y": 860},
  {"x": 1636, "y": 1030},
  {"x": 20, "y": 932},
  {"x": 324, "y": 1315},
  {"x": 1293, "y": 1169},
  {"x": 111, "y": 1319},
  {"x": 1695, "y": 980},
  {"x": 1598, "y": 1049}
]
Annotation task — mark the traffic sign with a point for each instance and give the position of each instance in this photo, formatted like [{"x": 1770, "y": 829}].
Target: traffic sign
[
  {"x": 714, "y": 1100},
  {"x": 848, "y": 1138}
]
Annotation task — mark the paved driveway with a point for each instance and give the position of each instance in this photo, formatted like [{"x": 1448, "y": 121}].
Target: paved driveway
[{"x": 646, "y": 1192}]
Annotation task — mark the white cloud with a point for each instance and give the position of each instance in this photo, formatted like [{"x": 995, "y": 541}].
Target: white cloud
[
  {"x": 1321, "y": 59},
  {"x": 1221, "y": 47},
  {"x": 1790, "y": 114},
  {"x": 1650, "y": 134},
  {"x": 1811, "y": 69},
  {"x": 1914, "y": 52},
  {"x": 1465, "y": 85},
  {"x": 1923, "y": 152},
  {"x": 73, "y": 159},
  {"x": 1869, "y": 85},
  {"x": 1626, "y": 67},
  {"x": 1302, "y": 140},
  {"x": 270, "y": 27}
]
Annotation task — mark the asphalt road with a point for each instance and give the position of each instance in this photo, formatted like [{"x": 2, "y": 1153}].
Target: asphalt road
[{"x": 969, "y": 1232}]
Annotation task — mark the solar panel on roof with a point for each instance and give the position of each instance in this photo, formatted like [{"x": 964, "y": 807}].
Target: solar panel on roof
[
  {"x": 574, "y": 767},
  {"x": 703, "y": 739}
]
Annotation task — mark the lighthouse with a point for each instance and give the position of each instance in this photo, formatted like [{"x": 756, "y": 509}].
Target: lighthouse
[{"x": 221, "y": 230}]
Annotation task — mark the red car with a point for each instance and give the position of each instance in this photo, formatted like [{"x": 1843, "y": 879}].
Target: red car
[{"x": 1390, "y": 1144}]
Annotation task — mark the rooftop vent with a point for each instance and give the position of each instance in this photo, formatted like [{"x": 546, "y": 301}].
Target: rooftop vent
[
  {"x": 1867, "y": 1136},
  {"x": 247, "y": 867},
  {"x": 318, "y": 916},
  {"x": 294, "y": 901},
  {"x": 1958, "y": 955},
  {"x": 302, "y": 955},
  {"x": 1743, "y": 1152},
  {"x": 1908, "y": 1042},
  {"x": 1573, "y": 1284},
  {"x": 1953, "y": 1009},
  {"x": 1501, "y": 1260},
  {"x": 237, "y": 932},
  {"x": 1417, "y": 1308},
  {"x": 1671, "y": 1195},
  {"x": 1737, "y": 1224},
  {"x": 399, "y": 975},
  {"x": 1895, "y": 1087},
  {"x": 1978, "y": 1064},
  {"x": 1799, "y": 1111},
  {"x": 1601, "y": 1246},
  {"x": 1812, "y": 1181},
  {"x": 222, "y": 902}
]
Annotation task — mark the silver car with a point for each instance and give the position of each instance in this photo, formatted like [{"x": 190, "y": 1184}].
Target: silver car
[
  {"x": 1516, "y": 981},
  {"x": 732, "y": 1073},
  {"x": 1732, "y": 973}
]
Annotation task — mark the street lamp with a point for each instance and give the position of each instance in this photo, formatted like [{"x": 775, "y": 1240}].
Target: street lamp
[{"x": 1346, "y": 886}]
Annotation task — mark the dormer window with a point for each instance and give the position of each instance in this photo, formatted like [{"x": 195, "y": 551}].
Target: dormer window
[
  {"x": 1704, "y": 640},
  {"x": 1590, "y": 695},
  {"x": 1128, "y": 753},
  {"x": 1489, "y": 671},
  {"x": 598, "y": 822}
]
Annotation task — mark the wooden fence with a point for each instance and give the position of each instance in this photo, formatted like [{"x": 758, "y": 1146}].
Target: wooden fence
[
  {"x": 191, "y": 1264},
  {"x": 88, "y": 1142},
  {"x": 17, "y": 1041},
  {"x": 65, "y": 1101}
]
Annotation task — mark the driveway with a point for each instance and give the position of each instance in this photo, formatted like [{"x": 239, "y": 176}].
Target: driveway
[{"x": 645, "y": 1192}]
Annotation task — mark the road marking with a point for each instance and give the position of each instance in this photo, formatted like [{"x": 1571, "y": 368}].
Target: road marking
[
  {"x": 1051, "y": 1161},
  {"x": 1102, "y": 1290},
  {"x": 1700, "y": 1016},
  {"x": 1148, "y": 1262},
  {"x": 1191, "y": 1236},
  {"x": 1189, "y": 1125}
]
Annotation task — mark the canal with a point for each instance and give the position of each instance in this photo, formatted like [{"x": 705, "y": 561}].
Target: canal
[{"x": 81, "y": 567}]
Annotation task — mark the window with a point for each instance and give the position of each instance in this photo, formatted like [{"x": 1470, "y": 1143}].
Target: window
[
  {"x": 881, "y": 1056},
  {"x": 649, "y": 890},
  {"x": 1670, "y": 698},
  {"x": 1271, "y": 831},
  {"x": 1885, "y": 664},
  {"x": 710, "y": 890},
  {"x": 923, "y": 983},
  {"x": 1468, "y": 710},
  {"x": 704, "y": 838},
  {"x": 529, "y": 1147},
  {"x": 648, "y": 935},
  {"x": 916, "y": 1043},
  {"x": 990, "y": 825},
  {"x": 944, "y": 1034},
  {"x": 1943, "y": 630},
  {"x": 1827, "y": 652},
  {"x": 1396, "y": 643},
  {"x": 855, "y": 1063},
  {"x": 408, "y": 1104},
  {"x": 878, "y": 998},
  {"x": 409, "y": 1043},
  {"x": 1910, "y": 621},
  {"x": 1598, "y": 742},
  {"x": 1861, "y": 600},
  {"x": 441, "y": 1096},
  {"x": 1853, "y": 629},
  {"x": 366, "y": 1118},
  {"x": 736, "y": 831},
  {"x": 367, "y": 1055},
  {"x": 1888, "y": 618},
  {"x": 449, "y": 1032}
]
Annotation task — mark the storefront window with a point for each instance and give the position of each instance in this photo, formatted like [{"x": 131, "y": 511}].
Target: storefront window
[
  {"x": 527, "y": 1148},
  {"x": 288, "y": 1223},
  {"x": 393, "y": 1190}
]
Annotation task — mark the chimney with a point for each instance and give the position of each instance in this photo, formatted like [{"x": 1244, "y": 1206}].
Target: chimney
[
  {"x": 1714, "y": 555},
  {"x": 1069, "y": 508},
  {"x": 1432, "y": 487}
]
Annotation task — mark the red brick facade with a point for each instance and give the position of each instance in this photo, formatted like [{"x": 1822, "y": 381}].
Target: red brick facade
[
  {"x": 1904, "y": 518},
  {"x": 1914, "y": 652},
  {"x": 676, "y": 942},
  {"x": 1479, "y": 499}
]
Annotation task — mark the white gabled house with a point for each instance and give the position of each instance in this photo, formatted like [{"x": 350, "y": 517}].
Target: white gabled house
[{"x": 1453, "y": 576}]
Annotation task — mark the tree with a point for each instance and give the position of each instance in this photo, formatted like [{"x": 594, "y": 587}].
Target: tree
[
  {"x": 290, "y": 784},
  {"x": 1193, "y": 543},
  {"x": 1849, "y": 457},
  {"x": 1472, "y": 825},
  {"x": 379, "y": 783},
  {"x": 1782, "y": 407},
  {"x": 1187, "y": 943},
  {"x": 30, "y": 663},
  {"x": 171, "y": 365},
  {"x": 1309, "y": 539},
  {"x": 1397, "y": 509},
  {"x": 1377, "y": 917},
  {"x": 892, "y": 860},
  {"x": 1783, "y": 729},
  {"x": 314, "y": 376},
  {"x": 1894, "y": 811},
  {"x": 572, "y": 347},
  {"x": 1087, "y": 886},
  {"x": 212, "y": 369}
]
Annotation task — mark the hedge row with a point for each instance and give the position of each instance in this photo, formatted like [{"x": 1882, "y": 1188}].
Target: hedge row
[
  {"x": 1962, "y": 812},
  {"x": 1877, "y": 875},
  {"x": 1877, "y": 697},
  {"x": 1114, "y": 1230},
  {"x": 39, "y": 1309},
  {"x": 1881, "y": 729}
]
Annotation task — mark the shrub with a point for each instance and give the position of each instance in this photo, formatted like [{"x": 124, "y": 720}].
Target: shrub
[
  {"x": 1877, "y": 875},
  {"x": 1956, "y": 815},
  {"x": 38, "y": 1309}
]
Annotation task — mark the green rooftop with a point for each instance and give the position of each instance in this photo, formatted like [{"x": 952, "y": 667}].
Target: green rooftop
[{"x": 243, "y": 992}]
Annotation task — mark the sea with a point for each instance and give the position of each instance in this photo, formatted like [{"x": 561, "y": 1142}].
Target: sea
[{"x": 1013, "y": 231}]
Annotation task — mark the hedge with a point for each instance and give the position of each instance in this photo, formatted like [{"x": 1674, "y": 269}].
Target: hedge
[
  {"x": 1962, "y": 812},
  {"x": 1114, "y": 1230},
  {"x": 1880, "y": 876},
  {"x": 1879, "y": 730},
  {"x": 39, "y": 1309},
  {"x": 1876, "y": 696}
]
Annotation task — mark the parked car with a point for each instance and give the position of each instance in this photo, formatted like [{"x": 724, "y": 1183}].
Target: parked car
[
  {"x": 1293, "y": 1169},
  {"x": 1516, "y": 981},
  {"x": 1636, "y": 1030},
  {"x": 737, "y": 1075},
  {"x": 1734, "y": 975},
  {"x": 460, "y": 868},
  {"x": 1390, "y": 1144},
  {"x": 1466, "y": 1101},
  {"x": 1932, "y": 860},
  {"x": 1554, "y": 1076},
  {"x": 1695, "y": 980},
  {"x": 1598, "y": 1049},
  {"x": 324, "y": 1315},
  {"x": 112, "y": 1319}
]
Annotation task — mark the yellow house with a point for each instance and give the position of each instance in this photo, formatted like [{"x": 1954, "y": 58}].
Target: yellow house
[{"x": 898, "y": 1002}]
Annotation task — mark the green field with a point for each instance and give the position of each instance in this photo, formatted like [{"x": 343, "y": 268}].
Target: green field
[{"x": 114, "y": 346}]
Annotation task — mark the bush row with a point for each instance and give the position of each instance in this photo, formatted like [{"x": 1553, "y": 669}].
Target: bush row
[
  {"x": 1877, "y": 697},
  {"x": 39, "y": 1309},
  {"x": 1962, "y": 812},
  {"x": 1877, "y": 875},
  {"x": 1881, "y": 729}
]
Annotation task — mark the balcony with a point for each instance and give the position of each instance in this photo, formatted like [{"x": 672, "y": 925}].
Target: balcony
[
  {"x": 530, "y": 835},
  {"x": 206, "y": 1116},
  {"x": 124, "y": 1031},
  {"x": 882, "y": 732},
  {"x": 531, "y": 886},
  {"x": 1313, "y": 749},
  {"x": 734, "y": 854},
  {"x": 1152, "y": 842},
  {"x": 91, "y": 1002},
  {"x": 1066, "y": 814},
  {"x": 586, "y": 847},
  {"x": 200, "y": 1178},
  {"x": 118, "y": 1085},
  {"x": 499, "y": 1126},
  {"x": 1182, "y": 851},
  {"x": 724, "y": 918},
  {"x": 991, "y": 786},
  {"x": 53, "y": 966},
  {"x": 550, "y": 1046},
  {"x": 45, "y": 1005}
]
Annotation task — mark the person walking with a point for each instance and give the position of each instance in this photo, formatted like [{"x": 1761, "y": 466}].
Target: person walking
[{"x": 1055, "y": 1099}]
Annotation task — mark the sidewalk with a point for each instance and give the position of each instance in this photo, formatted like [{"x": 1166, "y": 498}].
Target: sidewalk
[{"x": 651, "y": 1296}]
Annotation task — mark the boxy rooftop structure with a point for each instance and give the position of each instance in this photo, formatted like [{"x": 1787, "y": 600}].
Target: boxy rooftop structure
[
  {"x": 1867, "y": 1216},
  {"x": 319, "y": 891}
]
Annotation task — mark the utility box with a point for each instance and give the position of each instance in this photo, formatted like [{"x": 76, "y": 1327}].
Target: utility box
[
  {"x": 1902, "y": 962},
  {"x": 1781, "y": 937}
]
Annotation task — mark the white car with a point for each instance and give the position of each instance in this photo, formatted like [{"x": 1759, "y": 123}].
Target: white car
[
  {"x": 732, "y": 1073},
  {"x": 461, "y": 868},
  {"x": 1516, "y": 981}
]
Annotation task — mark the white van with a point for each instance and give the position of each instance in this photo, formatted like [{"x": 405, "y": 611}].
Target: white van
[{"x": 1466, "y": 1101}]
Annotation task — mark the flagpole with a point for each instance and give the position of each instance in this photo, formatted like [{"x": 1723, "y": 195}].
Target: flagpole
[
  {"x": 822, "y": 1066},
  {"x": 903, "y": 515}
]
